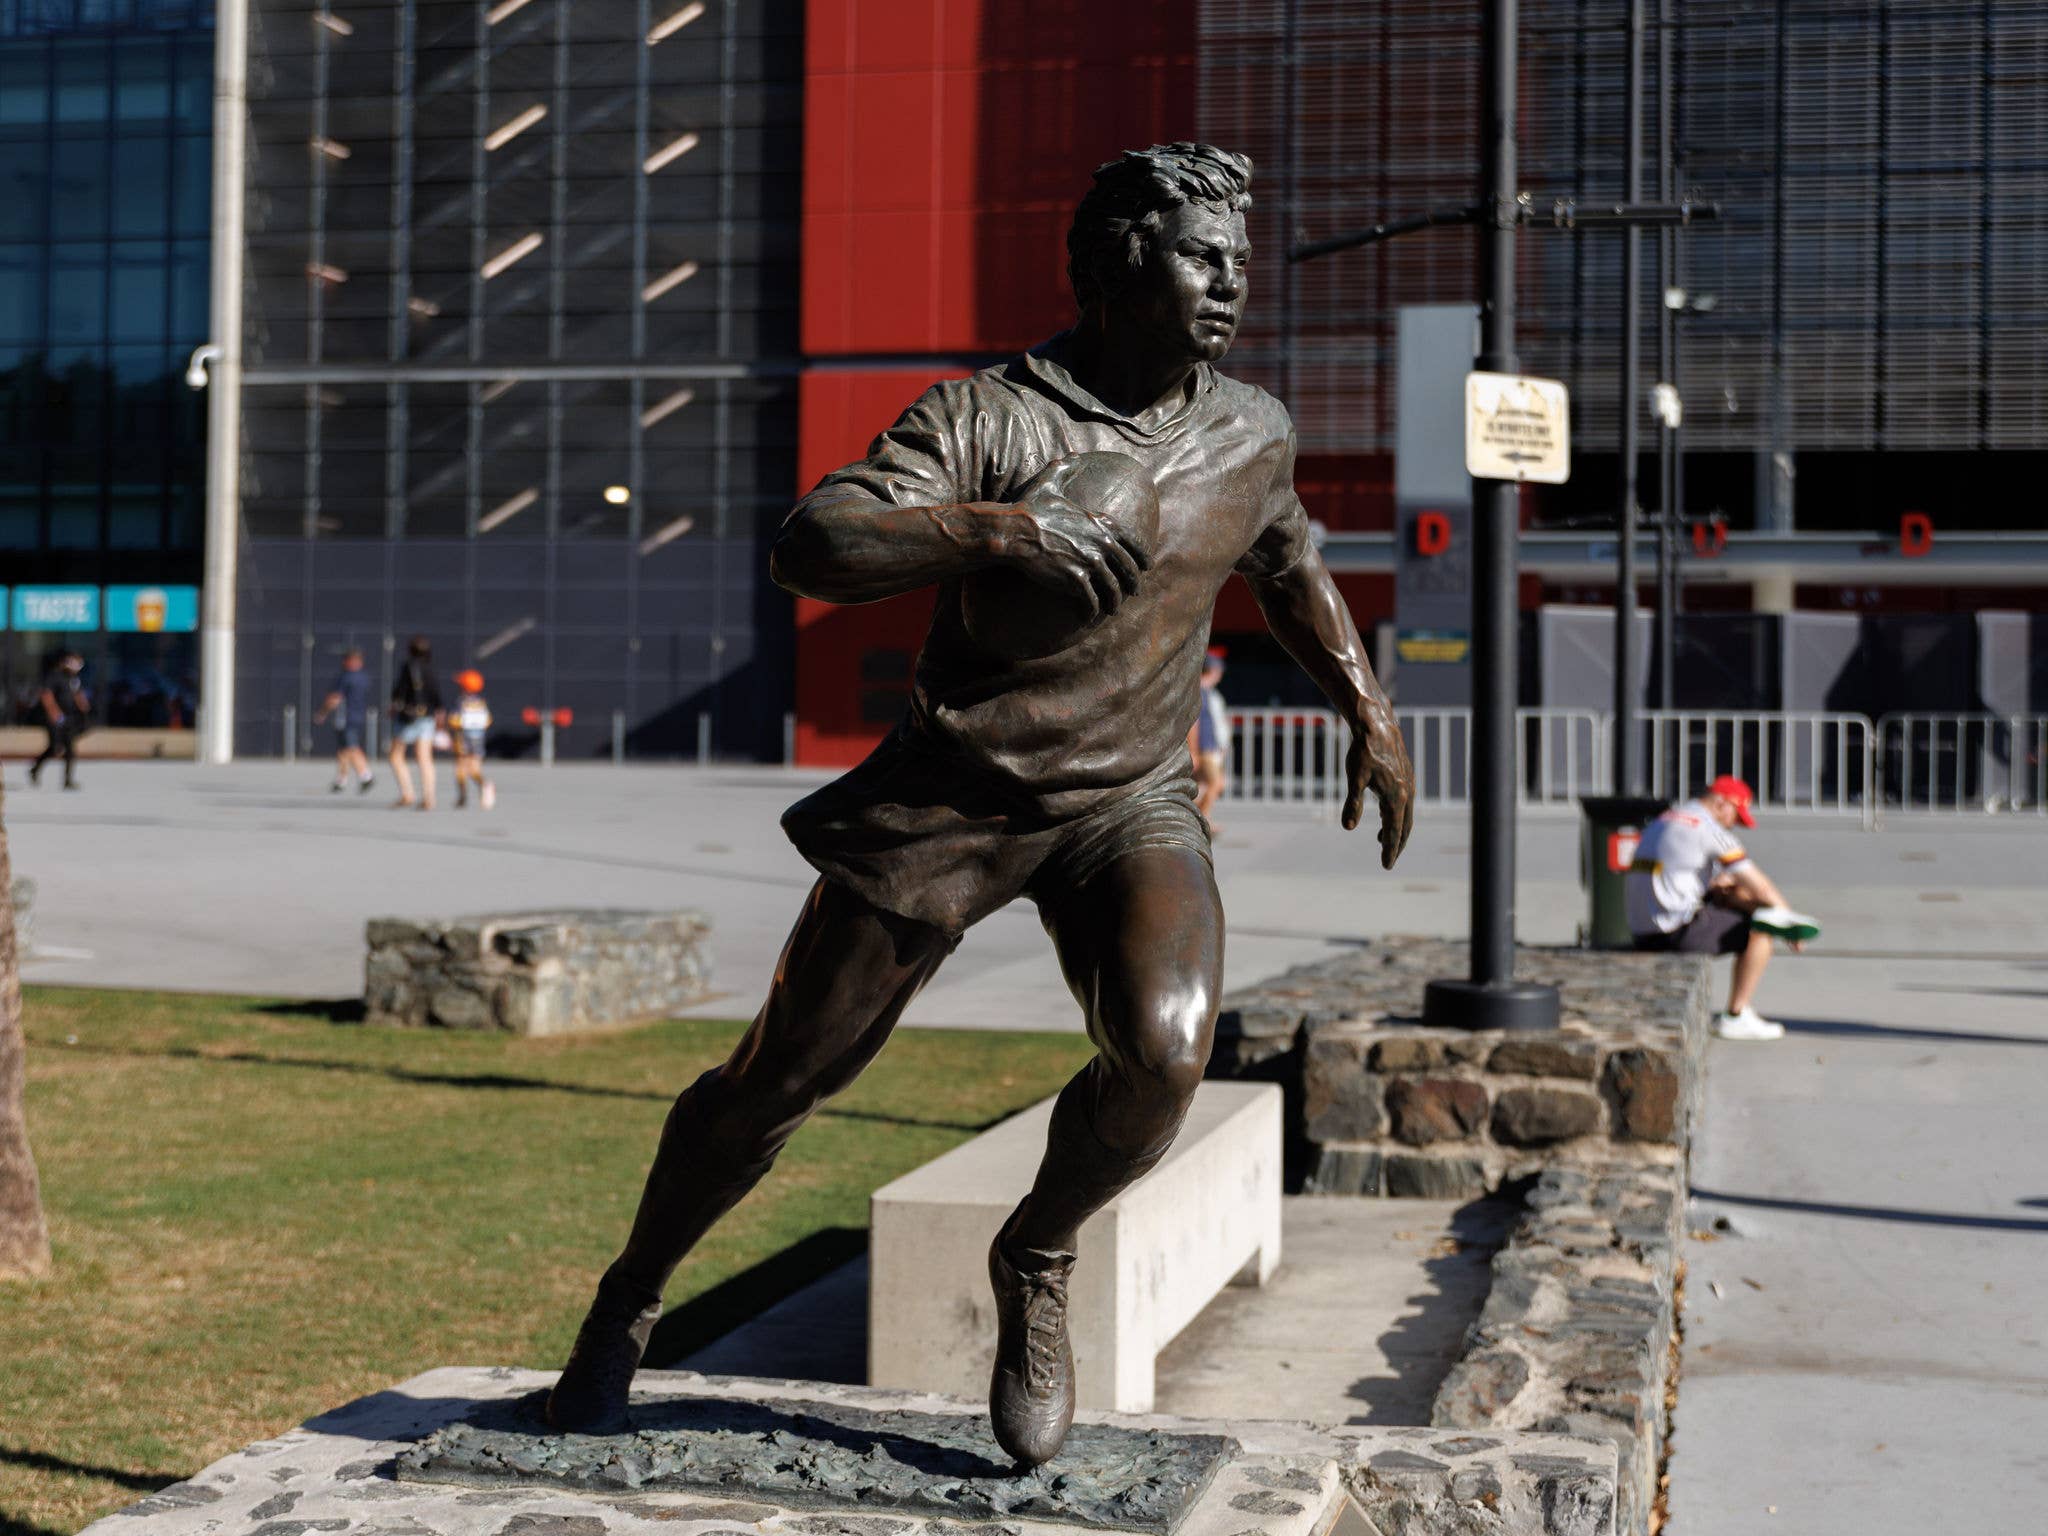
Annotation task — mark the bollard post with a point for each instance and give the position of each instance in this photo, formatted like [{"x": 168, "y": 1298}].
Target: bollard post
[
  {"x": 703, "y": 740},
  {"x": 789, "y": 739},
  {"x": 547, "y": 741},
  {"x": 618, "y": 737},
  {"x": 291, "y": 733},
  {"x": 370, "y": 718}
]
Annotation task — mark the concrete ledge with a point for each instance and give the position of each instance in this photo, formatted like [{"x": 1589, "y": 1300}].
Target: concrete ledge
[
  {"x": 338, "y": 1474},
  {"x": 1209, "y": 1214},
  {"x": 1381, "y": 1105},
  {"x": 536, "y": 973},
  {"x": 1578, "y": 1333}
]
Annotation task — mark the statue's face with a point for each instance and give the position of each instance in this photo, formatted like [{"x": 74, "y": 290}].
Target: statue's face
[{"x": 1188, "y": 295}]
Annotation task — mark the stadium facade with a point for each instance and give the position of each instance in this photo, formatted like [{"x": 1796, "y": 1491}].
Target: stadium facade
[{"x": 549, "y": 310}]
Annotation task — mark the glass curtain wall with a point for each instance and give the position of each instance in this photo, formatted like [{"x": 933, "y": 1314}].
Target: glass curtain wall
[
  {"x": 519, "y": 339},
  {"x": 106, "y": 121}
]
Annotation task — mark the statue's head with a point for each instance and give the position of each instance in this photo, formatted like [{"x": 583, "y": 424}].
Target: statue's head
[{"x": 1160, "y": 240}]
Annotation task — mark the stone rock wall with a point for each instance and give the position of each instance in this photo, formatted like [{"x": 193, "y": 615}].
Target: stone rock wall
[
  {"x": 1577, "y": 1334},
  {"x": 1380, "y": 1104},
  {"x": 536, "y": 973}
]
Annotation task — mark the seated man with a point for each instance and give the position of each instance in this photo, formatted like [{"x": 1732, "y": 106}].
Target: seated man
[{"x": 1694, "y": 891}]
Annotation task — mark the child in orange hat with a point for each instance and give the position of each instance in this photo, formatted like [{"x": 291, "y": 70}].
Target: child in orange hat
[{"x": 472, "y": 720}]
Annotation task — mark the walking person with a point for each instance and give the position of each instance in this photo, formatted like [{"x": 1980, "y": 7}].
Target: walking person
[
  {"x": 348, "y": 702},
  {"x": 1209, "y": 741},
  {"x": 1694, "y": 890},
  {"x": 472, "y": 722},
  {"x": 415, "y": 715},
  {"x": 65, "y": 706}
]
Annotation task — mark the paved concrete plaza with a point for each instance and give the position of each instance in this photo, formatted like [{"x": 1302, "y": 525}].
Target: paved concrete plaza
[
  {"x": 255, "y": 879},
  {"x": 1866, "y": 1346}
]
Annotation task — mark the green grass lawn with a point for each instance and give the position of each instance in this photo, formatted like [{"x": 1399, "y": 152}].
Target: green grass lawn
[{"x": 259, "y": 1213}]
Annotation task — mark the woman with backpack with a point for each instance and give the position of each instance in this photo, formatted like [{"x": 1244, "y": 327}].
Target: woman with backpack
[{"x": 415, "y": 716}]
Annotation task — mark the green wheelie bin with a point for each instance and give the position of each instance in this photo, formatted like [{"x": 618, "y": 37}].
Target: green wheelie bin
[{"x": 1614, "y": 825}]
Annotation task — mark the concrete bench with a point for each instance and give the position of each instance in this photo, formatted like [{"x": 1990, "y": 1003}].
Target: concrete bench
[{"x": 1208, "y": 1216}]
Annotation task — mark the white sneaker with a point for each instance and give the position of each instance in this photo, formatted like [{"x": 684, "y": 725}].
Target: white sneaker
[
  {"x": 1746, "y": 1025},
  {"x": 1784, "y": 923}
]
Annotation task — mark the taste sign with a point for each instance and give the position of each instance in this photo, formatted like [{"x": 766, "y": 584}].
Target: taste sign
[{"x": 57, "y": 608}]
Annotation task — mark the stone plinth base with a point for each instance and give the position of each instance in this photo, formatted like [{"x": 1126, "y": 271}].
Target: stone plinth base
[
  {"x": 715, "y": 1456},
  {"x": 1150, "y": 1260},
  {"x": 536, "y": 973},
  {"x": 1382, "y": 1104}
]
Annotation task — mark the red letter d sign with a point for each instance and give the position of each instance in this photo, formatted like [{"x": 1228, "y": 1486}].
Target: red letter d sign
[{"x": 1432, "y": 533}]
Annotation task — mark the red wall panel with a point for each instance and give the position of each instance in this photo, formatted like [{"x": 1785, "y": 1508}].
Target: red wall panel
[
  {"x": 945, "y": 145},
  {"x": 852, "y": 660}
]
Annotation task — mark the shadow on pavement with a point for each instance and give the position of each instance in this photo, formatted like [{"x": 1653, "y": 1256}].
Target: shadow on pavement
[
  {"x": 1843, "y": 1029},
  {"x": 1877, "y": 1212},
  {"x": 703, "y": 1319},
  {"x": 1921, "y": 986},
  {"x": 1423, "y": 1344}
]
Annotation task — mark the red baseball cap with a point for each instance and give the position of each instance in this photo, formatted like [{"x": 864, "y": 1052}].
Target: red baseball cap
[{"x": 1732, "y": 789}]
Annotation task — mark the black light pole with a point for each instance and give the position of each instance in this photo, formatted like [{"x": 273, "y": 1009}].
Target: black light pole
[
  {"x": 1628, "y": 688},
  {"x": 1671, "y": 492},
  {"x": 1491, "y": 998}
]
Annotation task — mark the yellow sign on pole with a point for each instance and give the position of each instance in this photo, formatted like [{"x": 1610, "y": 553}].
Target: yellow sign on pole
[{"x": 1517, "y": 428}]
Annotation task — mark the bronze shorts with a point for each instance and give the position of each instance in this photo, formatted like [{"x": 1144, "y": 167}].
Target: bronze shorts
[{"x": 919, "y": 835}]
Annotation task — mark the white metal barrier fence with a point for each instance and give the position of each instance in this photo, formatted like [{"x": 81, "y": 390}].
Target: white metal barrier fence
[
  {"x": 1296, "y": 756},
  {"x": 1792, "y": 761},
  {"x": 1816, "y": 763},
  {"x": 1962, "y": 763}
]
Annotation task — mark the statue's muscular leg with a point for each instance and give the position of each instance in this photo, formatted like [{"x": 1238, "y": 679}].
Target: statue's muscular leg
[
  {"x": 1142, "y": 948},
  {"x": 844, "y": 979}
]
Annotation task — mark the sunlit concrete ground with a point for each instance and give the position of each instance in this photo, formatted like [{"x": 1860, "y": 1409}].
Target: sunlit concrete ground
[
  {"x": 254, "y": 879},
  {"x": 1873, "y": 1360}
]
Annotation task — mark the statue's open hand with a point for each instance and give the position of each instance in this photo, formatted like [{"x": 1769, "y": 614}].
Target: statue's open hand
[
  {"x": 1379, "y": 762},
  {"x": 1065, "y": 546}
]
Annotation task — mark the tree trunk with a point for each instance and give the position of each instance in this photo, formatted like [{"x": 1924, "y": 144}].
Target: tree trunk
[{"x": 24, "y": 1239}]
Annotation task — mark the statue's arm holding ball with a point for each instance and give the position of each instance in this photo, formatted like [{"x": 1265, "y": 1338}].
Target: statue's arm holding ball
[
  {"x": 1307, "y": 615},
  {"x": 895, "y": 522}
]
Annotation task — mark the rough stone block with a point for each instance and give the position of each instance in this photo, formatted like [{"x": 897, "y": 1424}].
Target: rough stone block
[
  {"x": 1644, "y": 1086},
  {"x": 1546, "y": 1058},
  {"x": 1341, "y": 1101},
  {"x": 1345, "y": 1171},
  {"x": 1428, "y": 1176},
  {"x": 1533, "y": 1117},
  {"x": 1407, "y": 1053},
  {"x": 1430, "y": 1109},
  {"x": 1467, "y": 1050},
  {"x": 1479, "y": 1389},
  {"x": 535, "y": 973},
  {"x": 1254, "y": 1038}
]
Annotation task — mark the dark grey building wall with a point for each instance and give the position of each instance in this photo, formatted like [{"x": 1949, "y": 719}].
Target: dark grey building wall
[{"x": 520, "y": 326}]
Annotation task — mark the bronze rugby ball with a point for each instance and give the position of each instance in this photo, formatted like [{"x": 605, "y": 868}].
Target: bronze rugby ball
[{"x": 1006, "y": 612}]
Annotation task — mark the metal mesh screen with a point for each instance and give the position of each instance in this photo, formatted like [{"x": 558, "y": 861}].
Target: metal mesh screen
[{"x": 1880, "y": 276}]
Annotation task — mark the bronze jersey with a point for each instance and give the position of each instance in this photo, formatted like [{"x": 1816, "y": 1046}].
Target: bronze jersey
[{"x": 1064, "y": 732}]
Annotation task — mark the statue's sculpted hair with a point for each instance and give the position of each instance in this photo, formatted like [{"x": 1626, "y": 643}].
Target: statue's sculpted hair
[{"x": 1133, "y": 193}]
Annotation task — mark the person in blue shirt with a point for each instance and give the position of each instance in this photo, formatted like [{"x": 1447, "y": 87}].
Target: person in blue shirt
[{"x": 348, "y": 702}]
